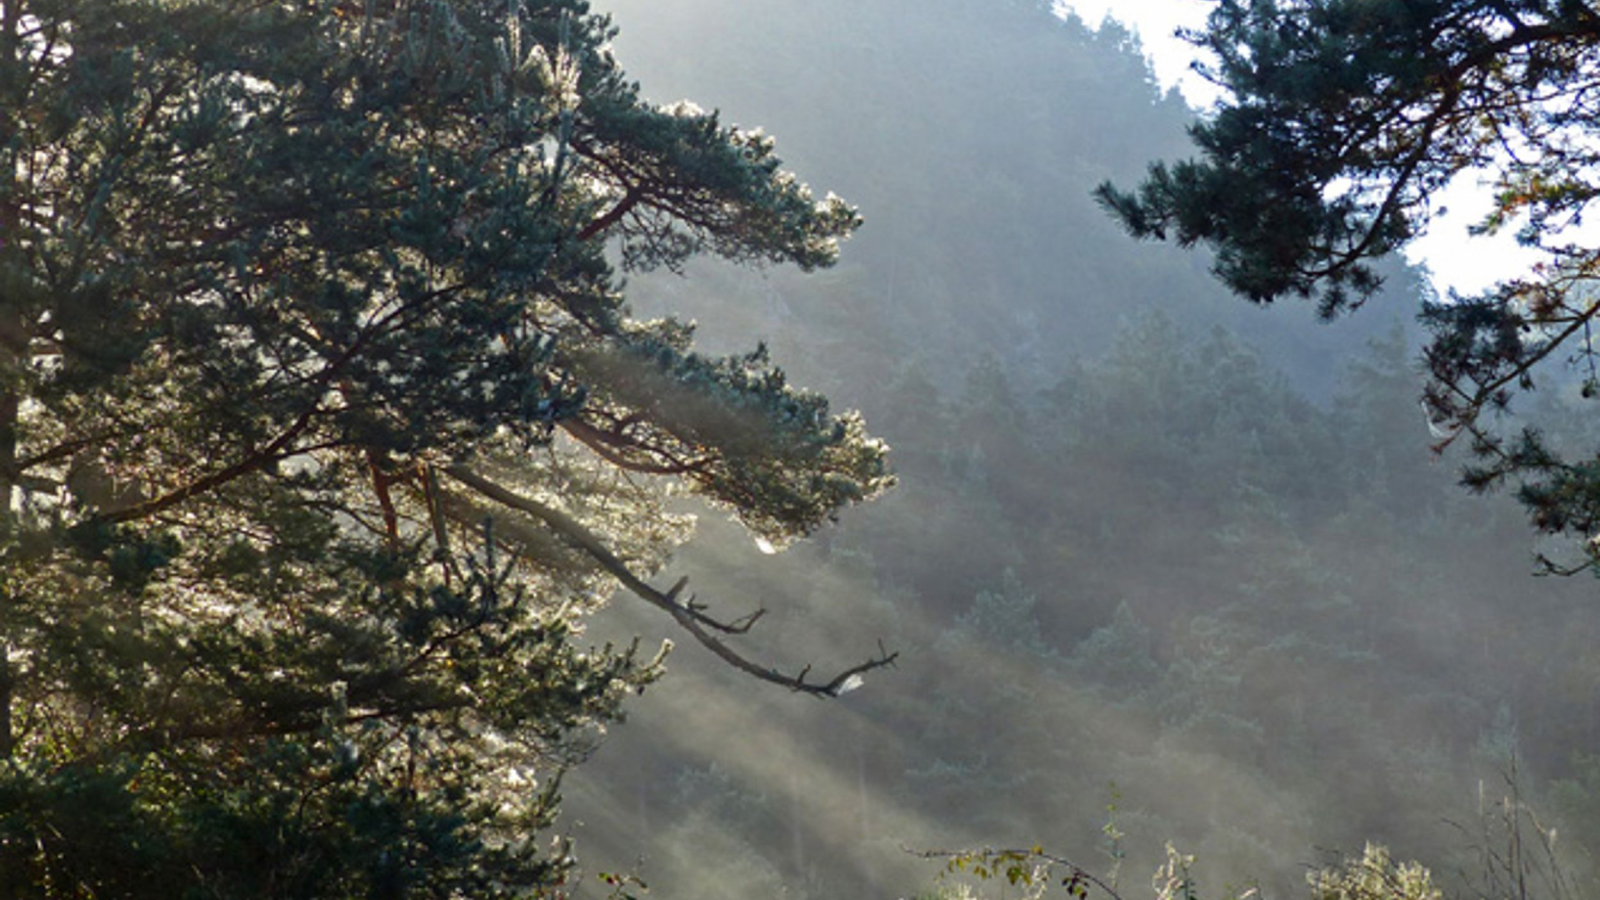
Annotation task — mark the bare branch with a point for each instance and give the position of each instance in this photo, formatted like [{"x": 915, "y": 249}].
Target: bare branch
[{"x": 687, "y": 614}]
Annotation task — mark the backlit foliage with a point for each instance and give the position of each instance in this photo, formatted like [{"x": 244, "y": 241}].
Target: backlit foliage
[
  {"x": 1343, "y": 120},
  {"x": 303, "y": 308}
]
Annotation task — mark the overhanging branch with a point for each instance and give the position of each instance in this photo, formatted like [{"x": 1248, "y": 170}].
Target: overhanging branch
[
  {"x": 602, "y": 443},
  {"x": 687, "y": 614}
]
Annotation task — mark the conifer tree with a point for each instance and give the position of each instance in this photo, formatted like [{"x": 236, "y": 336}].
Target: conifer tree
[
  {"x": 323, "y": 424},
  {"x": 1343, "y": 120}
]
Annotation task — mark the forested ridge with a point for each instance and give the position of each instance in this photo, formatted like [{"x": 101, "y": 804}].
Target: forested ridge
[
  {"x": 366, "y": 367},
  {"x": 1153, "y": 549}
]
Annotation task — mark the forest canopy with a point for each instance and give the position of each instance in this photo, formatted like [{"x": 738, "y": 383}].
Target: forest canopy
[{"x": 324, "y": 424}]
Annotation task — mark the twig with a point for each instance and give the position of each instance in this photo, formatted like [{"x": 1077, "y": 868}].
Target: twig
[{"x": 688, "y": 614}]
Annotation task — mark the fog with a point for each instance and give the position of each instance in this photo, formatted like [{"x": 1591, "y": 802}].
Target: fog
[{"x": 1162, "y": 566}]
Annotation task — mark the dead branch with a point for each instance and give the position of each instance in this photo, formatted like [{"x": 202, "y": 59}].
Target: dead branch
[{"x": 687, "y": 614}]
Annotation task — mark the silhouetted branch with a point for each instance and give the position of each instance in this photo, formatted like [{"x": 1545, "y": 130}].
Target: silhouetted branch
[{"x": 688, "y": 613}]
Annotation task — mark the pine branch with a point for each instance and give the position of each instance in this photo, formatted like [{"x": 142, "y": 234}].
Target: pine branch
[{"x": 686, "y": 613}]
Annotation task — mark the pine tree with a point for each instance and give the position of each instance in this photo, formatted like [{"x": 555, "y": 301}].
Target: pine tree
[
  {"x": 323, "y": 424},
  {"x": 1345, "y": 117}
]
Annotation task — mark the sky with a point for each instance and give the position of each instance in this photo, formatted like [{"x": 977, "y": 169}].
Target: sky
[{"x": 1457, "y": 260}]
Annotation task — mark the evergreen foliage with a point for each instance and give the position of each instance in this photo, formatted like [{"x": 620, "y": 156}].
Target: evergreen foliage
[
  {"x": 323, "y": 425},
  {"x": 1269, "y": 617},
  {"x": 1343, "y": 120}
]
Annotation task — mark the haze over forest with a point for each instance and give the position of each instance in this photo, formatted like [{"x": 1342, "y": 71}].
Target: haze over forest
[
  {"x": 1160, "y": 563},
  {"x": 353, "y": 426}
]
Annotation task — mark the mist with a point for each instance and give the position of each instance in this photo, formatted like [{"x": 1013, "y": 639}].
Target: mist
[{"x": 1161, "y": 566}]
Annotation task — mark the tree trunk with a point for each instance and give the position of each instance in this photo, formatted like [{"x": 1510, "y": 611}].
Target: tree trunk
[
  {"x": 9, "y": 408},
  {"x": 10, "y": 327}
]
